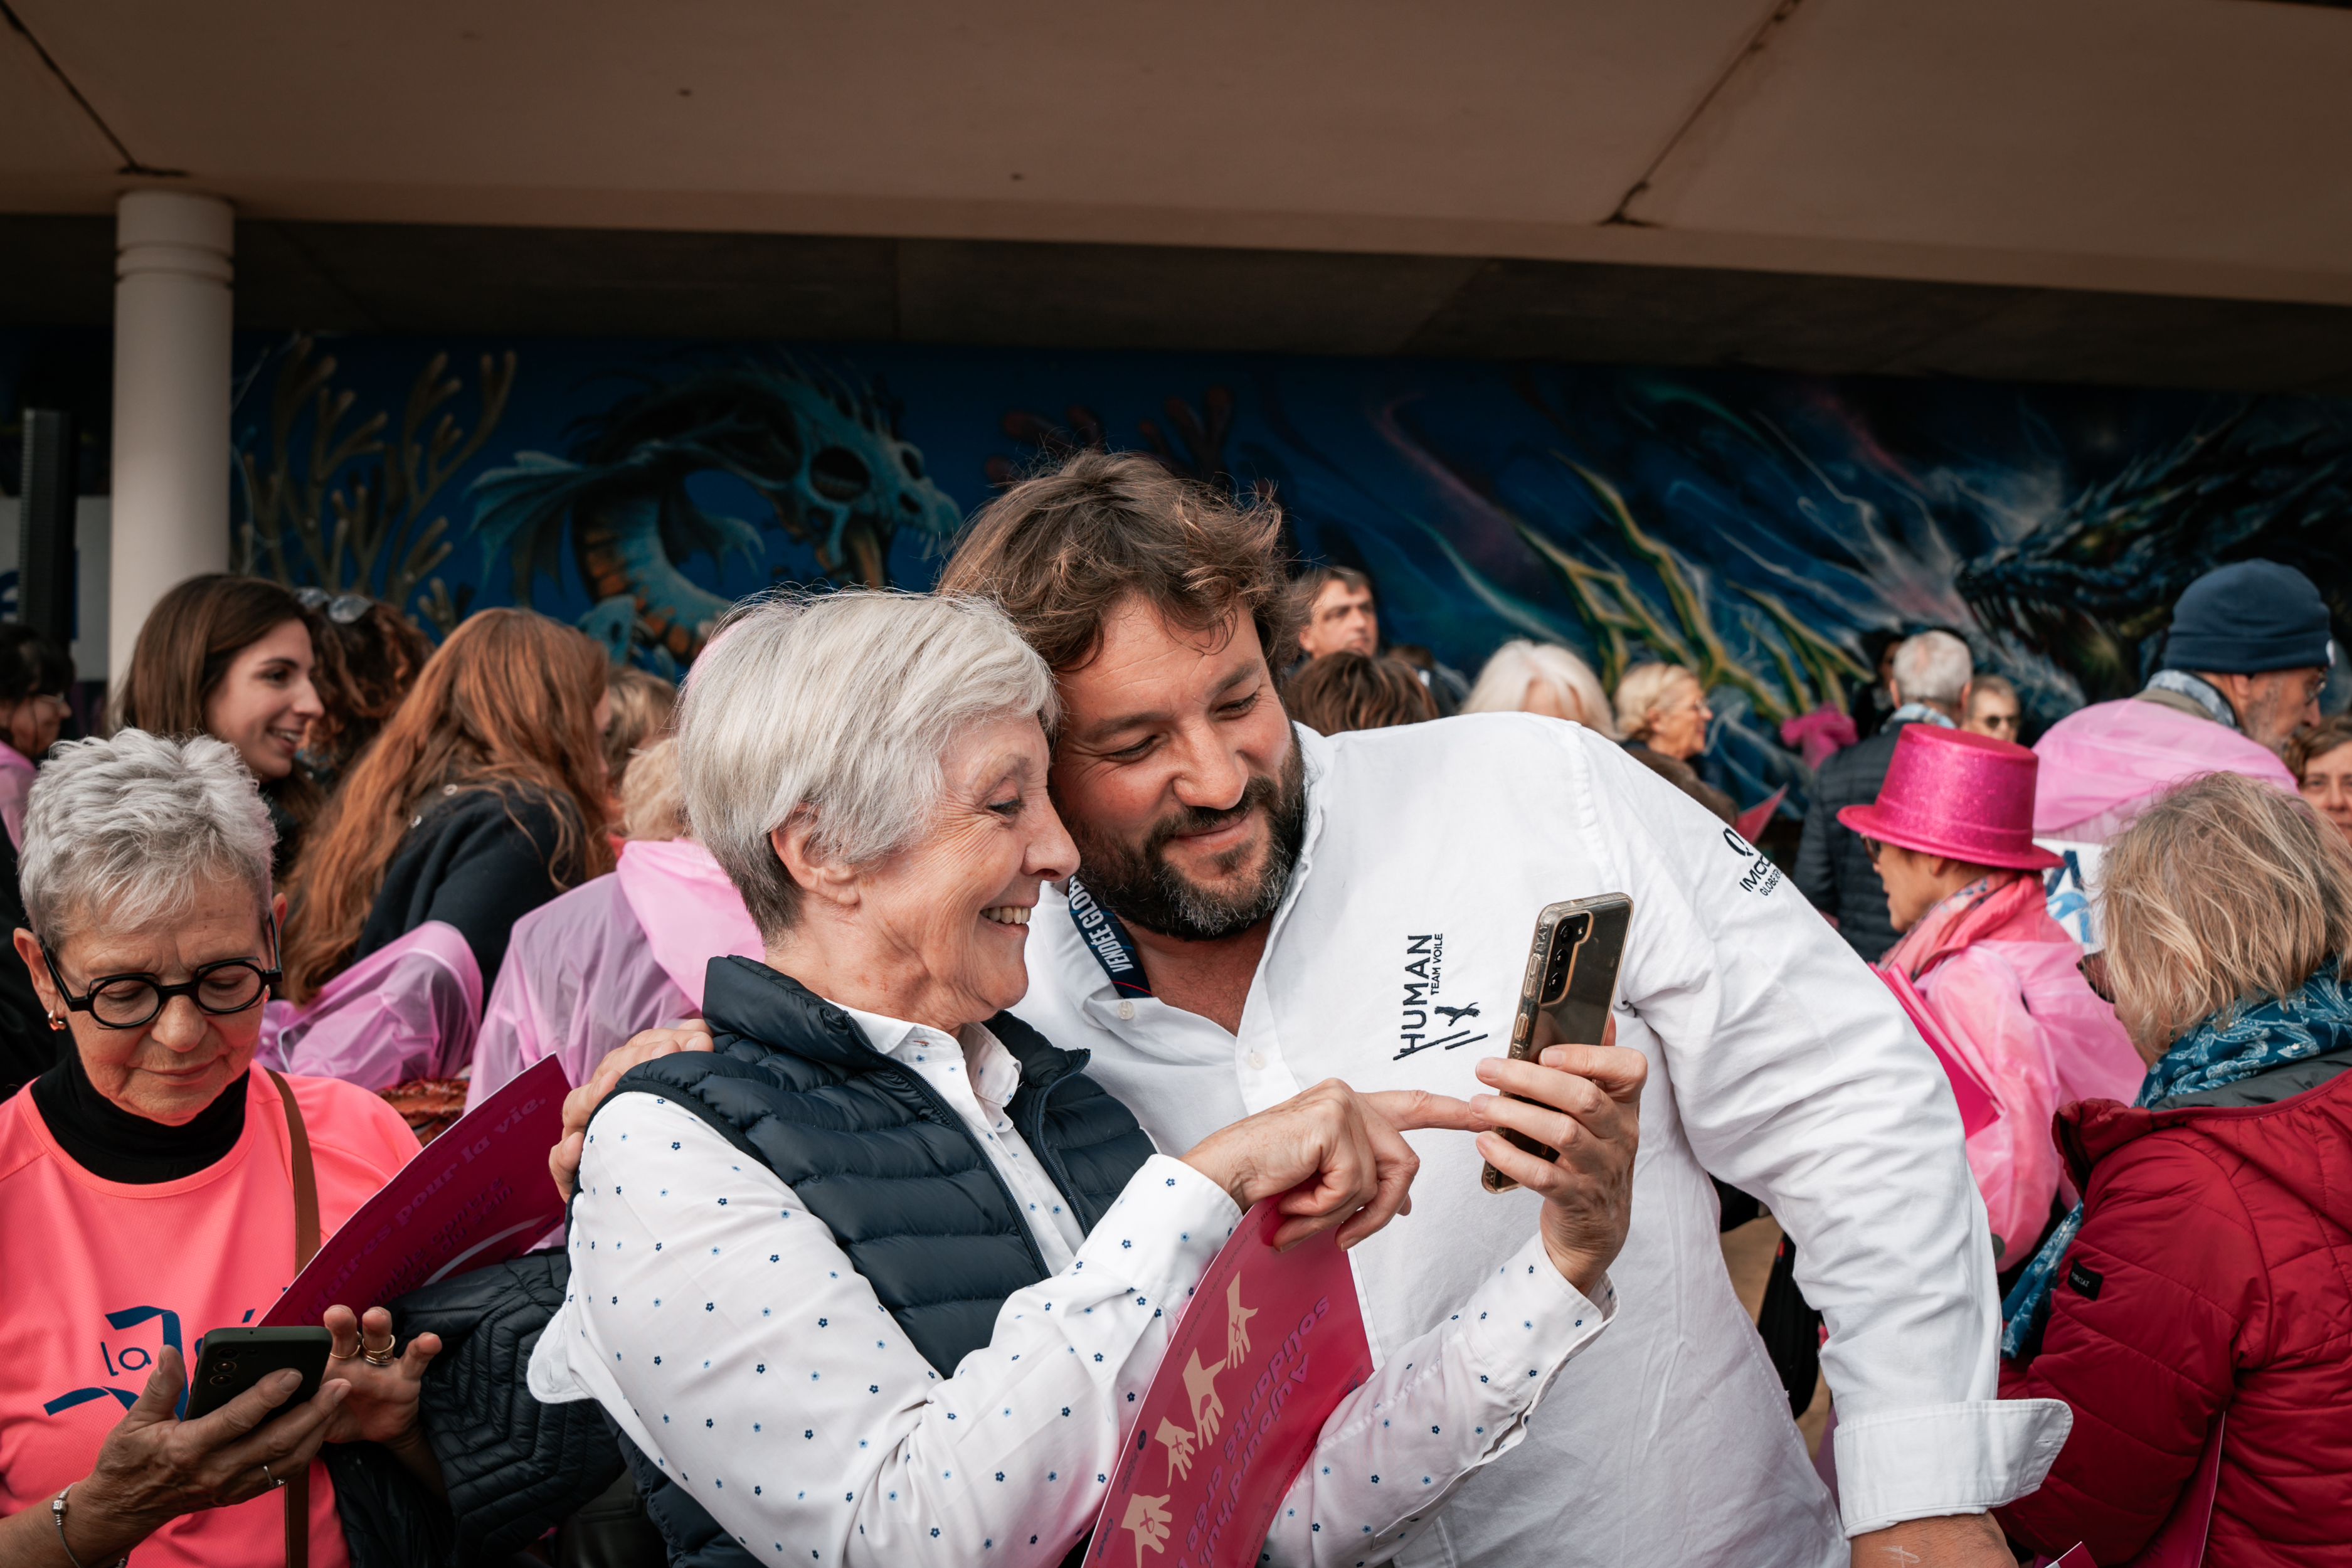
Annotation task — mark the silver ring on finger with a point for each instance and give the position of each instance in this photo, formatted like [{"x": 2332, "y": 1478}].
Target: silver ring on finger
[
  {"x": 378, "y": 1358},
  {"x": 275, "y": 1481}
]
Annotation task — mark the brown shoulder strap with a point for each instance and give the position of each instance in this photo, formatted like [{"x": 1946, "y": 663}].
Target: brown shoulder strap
[
  {"x": 306, "y": 1178},
  {"x": 305, "y": 1246}
]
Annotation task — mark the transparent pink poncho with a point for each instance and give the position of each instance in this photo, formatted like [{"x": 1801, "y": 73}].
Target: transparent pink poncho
[{"x": 616, "y": 954}]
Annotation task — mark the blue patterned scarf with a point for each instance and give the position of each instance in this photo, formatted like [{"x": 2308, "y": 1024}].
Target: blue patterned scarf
[{"x": 2237, "y": 1043}]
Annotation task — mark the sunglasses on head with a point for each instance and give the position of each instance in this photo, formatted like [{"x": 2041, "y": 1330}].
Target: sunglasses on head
[{"x": 341, "y": 609}]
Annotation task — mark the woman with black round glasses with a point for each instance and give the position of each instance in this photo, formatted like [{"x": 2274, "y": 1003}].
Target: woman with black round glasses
[{"x": 156, "y": 1184}]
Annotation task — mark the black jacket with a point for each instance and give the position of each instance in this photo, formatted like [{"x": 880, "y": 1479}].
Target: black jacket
[
  {"x": 1834, "y": 870},
  {"x": 479, "y": 860},
  {"x": 514, "y": 1466},
  {"x": 875, "y": 1153}
]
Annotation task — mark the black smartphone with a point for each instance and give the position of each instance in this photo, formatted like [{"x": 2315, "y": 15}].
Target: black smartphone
[
  {"x": 234, "y": 1360},
  {"x": 1564, "y": 999}
]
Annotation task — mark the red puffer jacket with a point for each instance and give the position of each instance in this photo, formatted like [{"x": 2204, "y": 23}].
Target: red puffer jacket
[{"x": 2214, "y": 1268}]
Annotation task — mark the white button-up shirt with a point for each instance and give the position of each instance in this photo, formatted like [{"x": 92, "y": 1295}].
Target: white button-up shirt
[
  {"x": 1777, "y": 1061},
  {"x": 721, "y": 1325}
]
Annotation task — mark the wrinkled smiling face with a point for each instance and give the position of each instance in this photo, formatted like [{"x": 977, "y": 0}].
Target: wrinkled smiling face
[
  {"x": 1178, "y": 775},
  {"x": 948, "y": 915}
]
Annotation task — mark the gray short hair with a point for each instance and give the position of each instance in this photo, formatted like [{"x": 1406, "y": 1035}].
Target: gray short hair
[
  {"x": 122, "y": 831},
  {"x": 1502, "y": 685},
  {"x": 1933, "y": 667},
  {"x": 841, "y": 705}
]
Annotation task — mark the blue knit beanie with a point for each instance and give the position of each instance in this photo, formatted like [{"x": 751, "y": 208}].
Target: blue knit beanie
[{"x": 2248, "y": 617}]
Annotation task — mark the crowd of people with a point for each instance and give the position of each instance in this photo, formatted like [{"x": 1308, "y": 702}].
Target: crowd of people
[{"x": 963, "y": 964}]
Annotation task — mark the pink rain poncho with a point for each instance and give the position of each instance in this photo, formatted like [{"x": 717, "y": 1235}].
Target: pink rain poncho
[
  {"x": 2001, "y": 976},
  {"x": 2102, "y": 764},
  {"x": 614, "y": 955},
  {"x": 408, "y": 1010}
]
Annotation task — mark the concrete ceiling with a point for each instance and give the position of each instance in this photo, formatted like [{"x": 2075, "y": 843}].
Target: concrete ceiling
[{"x": 2129, "y": 190}]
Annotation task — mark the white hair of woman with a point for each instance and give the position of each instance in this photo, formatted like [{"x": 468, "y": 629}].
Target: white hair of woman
[
  {"x": 122, "y": 831},
  {"x": 1934, "y": 667},
  {"x": 1521, "y": 671},
  {"x": 840, "y": 705}
]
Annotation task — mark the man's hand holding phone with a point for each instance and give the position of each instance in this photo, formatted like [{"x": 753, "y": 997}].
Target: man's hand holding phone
[{"x": 1583, "y": 1101}]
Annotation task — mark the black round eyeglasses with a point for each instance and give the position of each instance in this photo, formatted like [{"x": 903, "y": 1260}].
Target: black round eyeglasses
[{"x": 131, "y": 1001}]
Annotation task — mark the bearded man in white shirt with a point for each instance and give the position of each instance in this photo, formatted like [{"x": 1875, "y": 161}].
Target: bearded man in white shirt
[{"x": 1259, "y": 907}]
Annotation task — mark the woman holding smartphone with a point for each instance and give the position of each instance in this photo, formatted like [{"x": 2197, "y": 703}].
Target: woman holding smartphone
[{"x": 153, "y": 1187}]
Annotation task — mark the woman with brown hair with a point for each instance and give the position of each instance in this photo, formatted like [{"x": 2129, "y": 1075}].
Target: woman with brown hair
[
  {"x": 231, "y": 657},
  {"x": 1349, "y": 690},
  {"x": 369, "y": 656},
  {"x": 482, "y": 799}
]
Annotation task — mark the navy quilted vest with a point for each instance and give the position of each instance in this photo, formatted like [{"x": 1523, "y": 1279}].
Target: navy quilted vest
[{"x": 873, "y": 1150}]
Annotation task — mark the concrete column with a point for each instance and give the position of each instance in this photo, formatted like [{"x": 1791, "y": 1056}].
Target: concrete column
[{"x": 171, "y": 472}]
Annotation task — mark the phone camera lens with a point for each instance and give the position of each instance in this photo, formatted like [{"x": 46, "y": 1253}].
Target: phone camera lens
[{"x": 1555, "y": 985}]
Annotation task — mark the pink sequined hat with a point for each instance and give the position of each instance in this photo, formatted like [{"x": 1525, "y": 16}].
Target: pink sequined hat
[{"x": 1951, "y": 792}]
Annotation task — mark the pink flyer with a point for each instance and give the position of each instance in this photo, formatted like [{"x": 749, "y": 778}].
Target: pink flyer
[
  {"x": 478, "y": 1195},
  {"x": 1268, "y": 1347}
]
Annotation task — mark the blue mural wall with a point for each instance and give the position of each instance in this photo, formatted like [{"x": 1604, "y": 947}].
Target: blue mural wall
[{"x": 1756, "y": 527}]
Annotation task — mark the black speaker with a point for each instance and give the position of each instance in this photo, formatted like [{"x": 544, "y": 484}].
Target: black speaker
[{"x": 45, "y": 526}]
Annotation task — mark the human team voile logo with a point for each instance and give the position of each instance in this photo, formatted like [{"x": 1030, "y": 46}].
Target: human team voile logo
[{"x": 1424, "y": 977}]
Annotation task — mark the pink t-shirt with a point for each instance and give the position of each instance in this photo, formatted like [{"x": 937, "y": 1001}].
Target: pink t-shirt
[{"x": 101, "y": 1274}]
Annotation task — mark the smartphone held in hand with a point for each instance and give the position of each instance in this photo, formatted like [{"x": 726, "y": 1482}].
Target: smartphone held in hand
[
  {"x": 1565, "y": 996},
  {"x": 234, "y": 1360}
]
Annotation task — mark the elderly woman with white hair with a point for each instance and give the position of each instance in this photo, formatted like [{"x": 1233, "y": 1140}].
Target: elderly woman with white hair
[
  {"x": 880, "y": 1278},
  {"x": 158, "y": 1184},
  {"x": 1525, "y": 677}
]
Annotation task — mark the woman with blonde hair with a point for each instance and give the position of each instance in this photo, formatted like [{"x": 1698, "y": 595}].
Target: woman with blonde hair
[
  {"x": 1541, "y": 678},
  {"x": 2207, "y": 1270},
  {"x": 1662, "y": 717},
  {"x": 1663, "y": 708},
  {"x": 641, "y": 705},
  {"x": 483, "y": 798}
]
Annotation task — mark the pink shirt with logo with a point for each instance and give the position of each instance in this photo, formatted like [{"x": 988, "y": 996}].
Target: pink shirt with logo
[{"x": 101, "y": 1274}]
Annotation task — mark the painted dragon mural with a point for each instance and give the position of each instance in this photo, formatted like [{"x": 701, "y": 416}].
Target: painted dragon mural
[
  {"x": 823, "y": 451},
  {"x": 1760, "y": 528},
  {"x": 2093, "y": 586}
]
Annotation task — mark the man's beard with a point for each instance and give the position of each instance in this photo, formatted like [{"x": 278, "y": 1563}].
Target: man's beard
[{"x": 1141, "y": 888}]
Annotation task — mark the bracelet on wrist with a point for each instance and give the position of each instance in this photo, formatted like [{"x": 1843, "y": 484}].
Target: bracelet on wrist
[{"x": 57, "y": 1513}]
